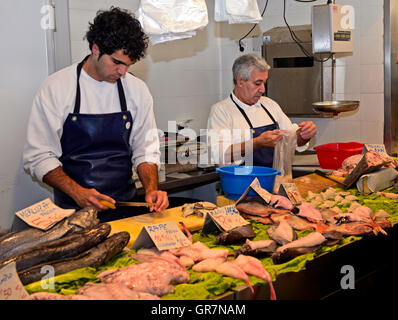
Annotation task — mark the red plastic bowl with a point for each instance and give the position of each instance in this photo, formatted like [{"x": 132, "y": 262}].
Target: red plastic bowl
[{"x": 332, "y": 155}]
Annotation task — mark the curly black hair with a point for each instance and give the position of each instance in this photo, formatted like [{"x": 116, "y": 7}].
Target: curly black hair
[{"x": 117, "y": 29}]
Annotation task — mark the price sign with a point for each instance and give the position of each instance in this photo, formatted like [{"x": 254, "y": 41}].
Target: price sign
[
  {"x": 380, "y": 148},
  {"x": 290, "y": 190},
  {"x": 164, "y": 236},
  {"x": 44, "y": 214},
  {"x": 11, "y": 287},
  {"x": 224, "y": 219},
  {"x": 255, "y": 185}
]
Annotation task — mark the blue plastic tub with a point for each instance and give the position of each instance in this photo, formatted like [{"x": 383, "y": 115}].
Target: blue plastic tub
[{"x": 236, "y": 179}]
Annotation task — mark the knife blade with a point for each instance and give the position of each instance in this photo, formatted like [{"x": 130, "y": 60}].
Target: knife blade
[
  {"x": 126, "y": 203},
  {"x": 134, "y": 204}
]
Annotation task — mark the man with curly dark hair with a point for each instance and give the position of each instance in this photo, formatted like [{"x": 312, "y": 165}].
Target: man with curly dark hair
[{"x": 93, "y": 121}]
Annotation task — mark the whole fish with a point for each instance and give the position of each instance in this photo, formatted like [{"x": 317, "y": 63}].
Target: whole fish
[
  {"x": 93, "y": 257},
  {"x": 15, "y": 242},
  {"x": 235, "y": 235},
  {"x": 65, "y": 247},
  {"x": 309, "y": 212},
  {"x": 231, "y": 269},
  {"x": 253, "y": 266}
]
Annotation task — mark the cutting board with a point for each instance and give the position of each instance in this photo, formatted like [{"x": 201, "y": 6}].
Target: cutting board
[
  {"x": 315, "y": 183},
  {"x": 134, "y": 225}
]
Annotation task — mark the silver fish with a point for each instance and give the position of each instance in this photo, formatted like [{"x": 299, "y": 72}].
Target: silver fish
[{"x": 65, "y": 247}]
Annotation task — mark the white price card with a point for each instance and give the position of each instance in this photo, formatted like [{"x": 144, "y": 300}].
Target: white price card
[
  {"x": 290, "y": 190},
  {"x": 44, "y": 214},
  {"x": 224, "y": 219},
  {"x": 11, "y": 287},
  {"x": 380, "y": 148},
  {"x": 255, "y": 185},
  {"x": 164, "y": 236}
]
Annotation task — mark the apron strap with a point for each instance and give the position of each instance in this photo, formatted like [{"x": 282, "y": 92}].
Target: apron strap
[
  {"x": 122, "y": 97},
  {"x": 245, "y": 115}
]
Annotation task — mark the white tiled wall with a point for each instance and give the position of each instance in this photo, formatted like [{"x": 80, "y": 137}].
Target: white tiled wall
[{"x": 187, "y": 76}]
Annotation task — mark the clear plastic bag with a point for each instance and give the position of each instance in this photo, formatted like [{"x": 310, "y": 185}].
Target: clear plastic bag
[
  {"x": 166, "y": 20},
  {"x": 284, "y": 156}
]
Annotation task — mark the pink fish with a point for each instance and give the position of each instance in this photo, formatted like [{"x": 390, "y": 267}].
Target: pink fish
[
  {"x": 208, "y": 265},
  {"x": 231, "y": 269},
  {"x": 279, "y": 201},
  {"x": 253, "y": 266}
]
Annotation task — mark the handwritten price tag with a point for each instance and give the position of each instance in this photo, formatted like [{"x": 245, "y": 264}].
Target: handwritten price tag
[
  {"x": 11, "y": 287},
  {"x": 255, "y": 185},
  {"x": 224, "y": 219},
  {"x": 164, "y": 236},
  {"x": 44, "y": 214},
  {"x": 380, "y": 148},
  {"x": 291, "y": 191}
]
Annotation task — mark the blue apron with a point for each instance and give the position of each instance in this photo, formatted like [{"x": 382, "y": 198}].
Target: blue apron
[
  {"x": 265, "y": 156},
  {"x": 96, "y": 153}
]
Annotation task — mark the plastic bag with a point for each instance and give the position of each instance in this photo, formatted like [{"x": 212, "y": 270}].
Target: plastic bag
[
  {"x": 167, "y": 20},
  {"x": 283, "y": 157},
  {"x": 237, "y": 11}
]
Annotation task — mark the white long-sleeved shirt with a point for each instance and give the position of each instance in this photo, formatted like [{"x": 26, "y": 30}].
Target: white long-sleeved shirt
[
  {"x": 226, "y": 124},
  {"x": 55, "y": 99}
]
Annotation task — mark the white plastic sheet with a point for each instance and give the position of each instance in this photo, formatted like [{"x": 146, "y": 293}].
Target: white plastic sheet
[
  {"x": 237, "y": 11},
  {"x": 167, "y": 20}
]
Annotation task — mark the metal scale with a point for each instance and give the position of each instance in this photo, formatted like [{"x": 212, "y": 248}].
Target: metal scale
[{"x": 331, "y": 34}]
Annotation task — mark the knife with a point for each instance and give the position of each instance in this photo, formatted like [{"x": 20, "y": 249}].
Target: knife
[
  {"x": 125, "y": 203},
  {"x": 323, "y": 174}
]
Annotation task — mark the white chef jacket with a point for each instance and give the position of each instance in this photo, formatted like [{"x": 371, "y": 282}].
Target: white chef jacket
[
  {"x": 55, "y": 99},
  {"x": 226, "y": 125}
]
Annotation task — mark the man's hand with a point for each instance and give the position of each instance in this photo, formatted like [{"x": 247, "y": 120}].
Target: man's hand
[
  {"x": 307, "y": 129},
  {"x": 148, "y": 174},
  {"x": 159, "y": 197},
  {"x": 268, "y": 138},
  {"x": 84, "y": 197}
]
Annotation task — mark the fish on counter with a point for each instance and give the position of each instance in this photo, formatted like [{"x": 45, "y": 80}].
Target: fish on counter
[
  {"x": 254, "y": 267},
  {"x": 198, "y": 251},
  {"x": 236, "y": 235},
  {"x": 209, "y": 264},
  {"x": 282, "y": 232},
  {"x": 156, "y": 278},
  {"x": 310, "y": 243},
  {"x": 12, "y": 243},
  {"x": 65, "y": 247},
  {"x": 93, "y": 257},
  {"x": 98, "y": 291},
  {"x": 231, "y": 269},
  {"x": 200, "y": 208},
  {"x": 254, "y": 208},
  {"x": 309, "y": 212},
  {"x": 388, "y": 195},
  {"x": 256, "y": 248},
  {"x": 294, "y": 221},
  {"x": 278, "y": 201}
]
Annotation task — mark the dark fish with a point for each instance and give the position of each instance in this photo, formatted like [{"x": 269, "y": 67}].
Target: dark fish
[
  {"x": 65, "y": 247},
  {"x": 256, "y": 248},
  {"x": 236, "y": 235},
  {"x": 93, "y": 257},
  {"x": 333, "y": 237},
  {"x": 15, "y": 242},
  {"x": 282, "y": 232}
]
